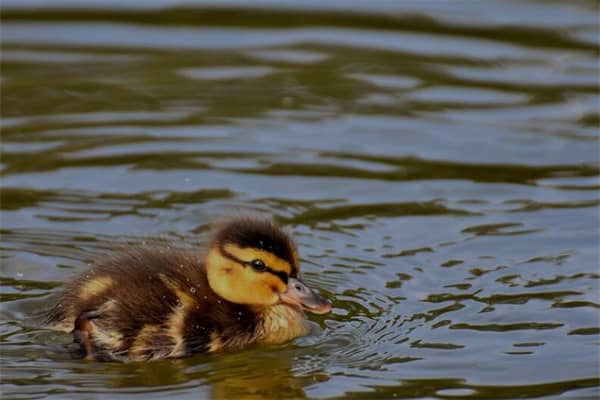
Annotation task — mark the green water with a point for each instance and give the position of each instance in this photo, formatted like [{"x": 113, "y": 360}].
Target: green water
[{"x": 437, "y": 163}]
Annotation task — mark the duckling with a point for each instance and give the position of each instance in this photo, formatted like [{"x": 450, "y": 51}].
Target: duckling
[{"x": 148, "y": 303}]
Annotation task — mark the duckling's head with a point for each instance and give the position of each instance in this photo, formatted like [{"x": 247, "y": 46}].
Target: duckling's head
[{"x": 252, "y": 261}]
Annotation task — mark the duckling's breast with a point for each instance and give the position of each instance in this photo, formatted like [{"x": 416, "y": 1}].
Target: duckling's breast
[{"x": 281, "y": 323}]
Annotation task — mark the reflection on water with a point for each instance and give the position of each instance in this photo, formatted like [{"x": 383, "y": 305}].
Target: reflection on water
[{"x": 437, "y": 164}]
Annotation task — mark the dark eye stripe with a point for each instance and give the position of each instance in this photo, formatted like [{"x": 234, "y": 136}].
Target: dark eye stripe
[{"x": 280, "y": 274}]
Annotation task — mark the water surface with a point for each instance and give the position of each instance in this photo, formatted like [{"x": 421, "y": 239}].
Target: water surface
[{"x": 437, "y": 164}]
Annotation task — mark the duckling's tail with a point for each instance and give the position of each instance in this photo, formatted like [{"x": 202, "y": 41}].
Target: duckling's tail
[{"x": 54, "y": 316}]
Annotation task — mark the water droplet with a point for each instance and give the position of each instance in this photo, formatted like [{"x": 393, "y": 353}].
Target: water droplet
[{"x": 192, "y": 290}]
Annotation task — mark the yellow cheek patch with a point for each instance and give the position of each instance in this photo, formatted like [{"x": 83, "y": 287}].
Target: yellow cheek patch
[
  {"x": 95, "y": 287},
  {"x": 239, "y": 284},
  {"x": 273, "y": 283},
  {"x": 249, "y": 254}
]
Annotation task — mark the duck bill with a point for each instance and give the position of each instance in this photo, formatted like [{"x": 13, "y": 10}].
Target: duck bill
[{"x": 300, "y": 295}]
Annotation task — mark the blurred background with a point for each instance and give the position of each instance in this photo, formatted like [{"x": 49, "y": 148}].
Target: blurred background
[{"x": 437, "y": 161}]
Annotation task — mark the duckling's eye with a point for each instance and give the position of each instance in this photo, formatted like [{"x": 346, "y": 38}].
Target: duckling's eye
[{"x": 258, "y": 265}]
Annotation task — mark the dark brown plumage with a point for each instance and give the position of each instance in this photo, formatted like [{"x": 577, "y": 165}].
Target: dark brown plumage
[{"x": 147, "y": 303}]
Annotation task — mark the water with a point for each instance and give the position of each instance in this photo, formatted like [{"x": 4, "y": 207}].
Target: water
[{"x": 437, "y": 163}]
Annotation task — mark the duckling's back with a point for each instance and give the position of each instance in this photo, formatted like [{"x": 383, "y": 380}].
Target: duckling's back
[{"x": 148, "y": 304}]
